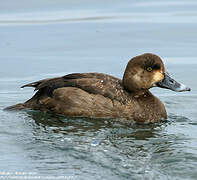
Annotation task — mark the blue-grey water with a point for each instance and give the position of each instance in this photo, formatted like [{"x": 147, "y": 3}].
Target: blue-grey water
[{"x": 41, "y": 39}]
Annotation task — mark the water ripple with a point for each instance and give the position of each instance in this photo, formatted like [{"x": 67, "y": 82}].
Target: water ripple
[{"x": 63, "y": 17}]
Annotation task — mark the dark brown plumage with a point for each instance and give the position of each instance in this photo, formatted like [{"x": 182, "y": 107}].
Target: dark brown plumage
[{"x": 103, "y": 96}]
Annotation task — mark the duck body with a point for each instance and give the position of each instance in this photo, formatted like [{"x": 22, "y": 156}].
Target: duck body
[{"x": 98, "y": 95}]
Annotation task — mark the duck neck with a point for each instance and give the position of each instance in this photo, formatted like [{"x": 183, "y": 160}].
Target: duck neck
[{"x": 140, "y": 93}]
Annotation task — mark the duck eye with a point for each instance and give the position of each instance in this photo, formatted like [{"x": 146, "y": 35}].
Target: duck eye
[{"x": 149, "y": 69}]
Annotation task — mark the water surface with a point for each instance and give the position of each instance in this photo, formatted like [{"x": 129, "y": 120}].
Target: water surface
[{"x": 41, "y": 39}]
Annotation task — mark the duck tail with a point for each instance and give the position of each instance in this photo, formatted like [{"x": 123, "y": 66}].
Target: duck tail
[{"x": 19, "y": 106}]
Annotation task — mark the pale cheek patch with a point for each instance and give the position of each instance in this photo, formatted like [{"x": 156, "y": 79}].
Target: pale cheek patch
[
  {"x": 137, "y": 77},
  {"x": 157, "y": 77}
]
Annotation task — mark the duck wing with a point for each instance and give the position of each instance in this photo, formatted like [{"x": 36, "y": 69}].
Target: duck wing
[{"x": 94, "y": 83}]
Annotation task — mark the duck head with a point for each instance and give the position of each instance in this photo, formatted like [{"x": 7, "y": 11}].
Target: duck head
[{"x": 146, "y": 71}]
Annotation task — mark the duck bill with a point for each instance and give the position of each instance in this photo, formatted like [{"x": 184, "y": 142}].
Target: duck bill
[{"x": 170, "y": 83}]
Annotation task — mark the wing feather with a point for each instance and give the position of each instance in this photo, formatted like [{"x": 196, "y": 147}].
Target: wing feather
[{"x": 95, "y": 83}]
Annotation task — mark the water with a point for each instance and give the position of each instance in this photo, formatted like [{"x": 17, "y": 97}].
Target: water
[{"x": 41, "y": 39}]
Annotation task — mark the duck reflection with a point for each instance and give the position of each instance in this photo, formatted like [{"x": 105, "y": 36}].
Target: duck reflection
[
  {"x": 83, "y": 126},
  {"x": 95, "y": 140}
]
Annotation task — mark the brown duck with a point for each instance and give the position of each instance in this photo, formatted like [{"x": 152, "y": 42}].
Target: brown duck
[{"x": 98, "y": 95}]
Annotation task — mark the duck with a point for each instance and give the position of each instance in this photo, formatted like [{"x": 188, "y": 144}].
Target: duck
[{"x": 98, "y": 95}]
